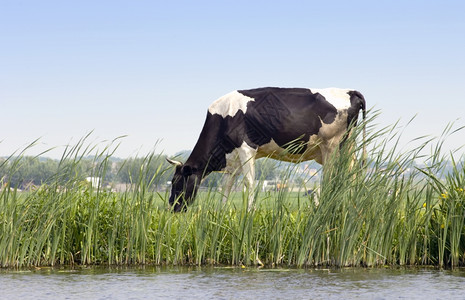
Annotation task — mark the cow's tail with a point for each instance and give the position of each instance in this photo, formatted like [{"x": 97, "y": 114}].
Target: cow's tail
[{"x": 364, "y": 133}]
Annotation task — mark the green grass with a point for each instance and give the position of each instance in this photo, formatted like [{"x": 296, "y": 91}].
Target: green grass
[{"x": 372, "y": 214}]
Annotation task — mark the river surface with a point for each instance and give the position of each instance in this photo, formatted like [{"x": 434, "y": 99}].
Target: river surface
[{"x": 231, "y": 283}]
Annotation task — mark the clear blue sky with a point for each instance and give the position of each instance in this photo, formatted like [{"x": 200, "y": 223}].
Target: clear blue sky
[{"x": 149, "y": 69}]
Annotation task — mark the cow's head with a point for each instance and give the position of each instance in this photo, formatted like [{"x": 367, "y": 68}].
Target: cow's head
[{"x": 184, "y": 185}]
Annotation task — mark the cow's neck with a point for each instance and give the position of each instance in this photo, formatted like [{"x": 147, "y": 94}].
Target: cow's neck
[
  {"x": 207, "y": 160},
  {"x": 208, "y": 154}
]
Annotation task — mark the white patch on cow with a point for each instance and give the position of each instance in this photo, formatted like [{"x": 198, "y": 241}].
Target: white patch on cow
[
  {"x": 337, "y": 97},
  {"x": 238, "y": 157},
  {"x": 332, "y": 134},
  {"x": 334, "y": 131},
  {"x": 230, "y": 104}
]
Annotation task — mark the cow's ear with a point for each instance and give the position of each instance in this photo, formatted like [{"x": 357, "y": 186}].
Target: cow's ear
[{"x": 186, "y": 171}]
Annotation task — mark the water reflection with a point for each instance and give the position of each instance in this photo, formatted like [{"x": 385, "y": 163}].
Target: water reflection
[{"x": 230, "y": 283}]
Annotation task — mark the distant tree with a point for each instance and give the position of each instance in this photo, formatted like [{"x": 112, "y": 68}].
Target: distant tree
[
  {"x": 266, "y": 169},
  {"x": 213, "y": 180},
  {"x": 152, "y": 169},
  {"x": 22, "y": 172}
]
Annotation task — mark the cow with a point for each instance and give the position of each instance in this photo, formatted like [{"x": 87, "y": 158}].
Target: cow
[{"x": 288, "y": 124}]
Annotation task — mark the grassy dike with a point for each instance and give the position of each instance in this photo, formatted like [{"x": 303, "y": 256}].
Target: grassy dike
[{"x": 372, "y": 214}]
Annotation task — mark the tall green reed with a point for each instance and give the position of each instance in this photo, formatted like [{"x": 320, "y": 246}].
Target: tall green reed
[{"x": 389, "y": 210}]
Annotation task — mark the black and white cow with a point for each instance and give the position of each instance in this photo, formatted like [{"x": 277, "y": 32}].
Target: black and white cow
[{"x": 289, "y": 124}]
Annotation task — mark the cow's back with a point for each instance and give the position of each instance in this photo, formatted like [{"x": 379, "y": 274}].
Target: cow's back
[{"x": 285, "y": 115}]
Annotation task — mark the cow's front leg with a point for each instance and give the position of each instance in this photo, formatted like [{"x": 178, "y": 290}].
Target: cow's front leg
[
  {"x": 229, "y": 179},
  {"x": 247, "y": 159},
  {"x": 249, "y": 177}
]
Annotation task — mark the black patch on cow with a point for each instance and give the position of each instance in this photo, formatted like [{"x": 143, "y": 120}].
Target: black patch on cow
[
  {"x": 357, "y": 102},
  {"x": 218, "y": 137},
  {"x": 263, "y": 115}
]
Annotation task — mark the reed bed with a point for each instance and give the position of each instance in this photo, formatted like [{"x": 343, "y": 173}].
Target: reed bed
[{"x": 389, "y": 210}]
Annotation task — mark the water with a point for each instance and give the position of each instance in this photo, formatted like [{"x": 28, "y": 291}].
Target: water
[{"x": 231, "y": 283}]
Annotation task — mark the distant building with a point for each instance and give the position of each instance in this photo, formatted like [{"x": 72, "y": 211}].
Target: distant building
[{"x": 94, "y": 181}]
